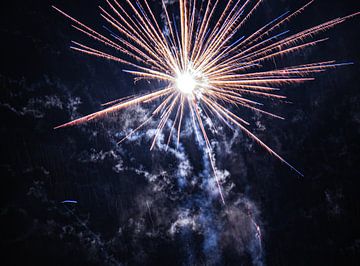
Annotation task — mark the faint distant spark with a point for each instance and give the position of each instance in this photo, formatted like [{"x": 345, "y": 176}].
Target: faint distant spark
[
  {"x": 204, "y": 65},
  {"x": 70, "y": 201}
]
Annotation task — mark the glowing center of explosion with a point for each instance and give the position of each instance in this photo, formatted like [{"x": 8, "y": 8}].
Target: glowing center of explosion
[{"x": 186, "y": 83}]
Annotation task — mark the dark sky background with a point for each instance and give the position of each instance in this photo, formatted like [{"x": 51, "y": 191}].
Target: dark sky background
[{"x": 136, "y": 207}]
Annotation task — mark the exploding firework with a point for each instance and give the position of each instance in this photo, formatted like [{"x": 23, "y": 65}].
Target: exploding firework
[{"x": 204, "y": 65}]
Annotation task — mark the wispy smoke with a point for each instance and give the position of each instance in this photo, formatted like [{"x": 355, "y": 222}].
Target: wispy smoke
[
  {"x": 178, "y": 202},
  {"x": 190, "y": 207}
]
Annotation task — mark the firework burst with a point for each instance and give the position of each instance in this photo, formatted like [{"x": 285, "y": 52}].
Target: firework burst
[{"x": 204, "y": 66}]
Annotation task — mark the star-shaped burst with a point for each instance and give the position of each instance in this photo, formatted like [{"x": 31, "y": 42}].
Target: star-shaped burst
[{"x": 204, "y": 64}]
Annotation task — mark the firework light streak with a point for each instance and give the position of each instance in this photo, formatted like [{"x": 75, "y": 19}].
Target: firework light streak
[{"x": 205, "y": 70}]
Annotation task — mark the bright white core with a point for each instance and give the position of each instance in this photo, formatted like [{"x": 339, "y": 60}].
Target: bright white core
[{"x": 185, "y": 83}]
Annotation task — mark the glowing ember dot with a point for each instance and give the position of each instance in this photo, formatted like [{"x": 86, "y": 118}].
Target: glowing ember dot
[{"x": 186, "y": 83}]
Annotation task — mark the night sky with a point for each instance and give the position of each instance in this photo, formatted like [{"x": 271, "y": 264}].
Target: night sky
[{"x": 127, "y": 205}]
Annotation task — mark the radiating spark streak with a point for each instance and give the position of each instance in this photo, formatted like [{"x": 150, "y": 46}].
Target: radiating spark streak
[
  {"x": 117, "y": 107},
  {"x": 203, "y": 47},
  {"x": 244, "y": 129},
  {"x": 173, "y": 125},
  {"x": 118, "y": 100},
  {"x": 133, "y": 32},
  {"x": 158, "y": 109},
  {"x": 208, "y": 147},
  {"x": 263, "y": 32},
  {"x": 180, "y": 119},
  {"x": 257, "y": 59},
  {"x": 165, "y": 117},
  {"x": 262, "y": 81},
  {"x": 137, "y": 129},
  {"x": 296, "y": 38},
  {"x": 219, "y": 42},
  {"x": 222, "y": 109}
]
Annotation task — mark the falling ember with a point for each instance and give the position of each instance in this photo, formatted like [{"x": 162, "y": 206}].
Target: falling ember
[{"x": 204, "y": 65}]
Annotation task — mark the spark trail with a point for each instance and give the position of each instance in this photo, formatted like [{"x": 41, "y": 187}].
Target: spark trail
[{"x": 204, "y": 66}]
